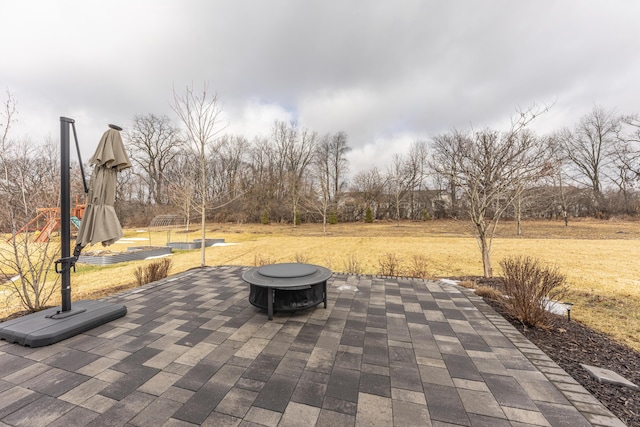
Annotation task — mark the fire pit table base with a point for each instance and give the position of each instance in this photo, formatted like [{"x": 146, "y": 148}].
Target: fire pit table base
[{"x": 287, "y": 287}]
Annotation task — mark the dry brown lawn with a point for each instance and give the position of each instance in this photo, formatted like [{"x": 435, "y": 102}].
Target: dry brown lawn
[{"x": 599, "y": 258}]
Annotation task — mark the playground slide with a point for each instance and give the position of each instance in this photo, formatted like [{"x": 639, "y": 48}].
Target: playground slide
[{"x": 75, "y": 221}]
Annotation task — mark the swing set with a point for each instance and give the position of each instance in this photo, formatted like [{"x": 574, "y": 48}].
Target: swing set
[{"x": 51, "y": 219}]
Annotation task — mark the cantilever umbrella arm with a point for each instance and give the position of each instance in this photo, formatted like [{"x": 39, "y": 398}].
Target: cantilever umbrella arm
[
  {"x": 76, "y": 252},
  {"x": 75, "y": 137},
  {"x": 71, "y": 261}
]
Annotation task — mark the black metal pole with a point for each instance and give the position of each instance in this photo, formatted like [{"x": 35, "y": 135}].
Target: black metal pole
[{"x": 65, "y": 213}]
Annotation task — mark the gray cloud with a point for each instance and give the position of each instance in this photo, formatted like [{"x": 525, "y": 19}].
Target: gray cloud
[{"x": 387, "y": 73}]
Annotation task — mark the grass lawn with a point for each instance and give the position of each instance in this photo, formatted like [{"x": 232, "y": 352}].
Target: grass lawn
[{"x": 599, "y": 258}]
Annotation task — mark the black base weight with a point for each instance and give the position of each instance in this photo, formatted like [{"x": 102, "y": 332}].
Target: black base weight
[{"x": 51, "y": 326}]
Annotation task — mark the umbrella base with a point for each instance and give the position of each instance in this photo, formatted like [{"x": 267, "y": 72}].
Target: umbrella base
[{"x": 51, "y": 326}]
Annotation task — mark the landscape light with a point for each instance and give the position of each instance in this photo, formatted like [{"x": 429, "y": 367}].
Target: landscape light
[{"x": 568, "y": 306}]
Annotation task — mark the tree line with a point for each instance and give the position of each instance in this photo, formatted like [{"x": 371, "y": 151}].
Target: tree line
[
  {"x": 191, "y": 168},
  {"x": 294, "y": 174}
]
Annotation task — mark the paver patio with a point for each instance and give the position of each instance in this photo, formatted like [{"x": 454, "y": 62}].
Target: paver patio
[{"x": 386, "y": 351}]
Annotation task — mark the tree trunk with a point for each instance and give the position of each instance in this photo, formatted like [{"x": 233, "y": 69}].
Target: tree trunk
[
  {"x": 203, "y": 208},
  {"x": 565, "y": 214},
  {"x": 519, "y": 215},
  {"x": 485, "y": 248},
  {"x": 486, "y": 256},
  {"x": 454, "y": 201},
  {"x": 293, "y": 203}
]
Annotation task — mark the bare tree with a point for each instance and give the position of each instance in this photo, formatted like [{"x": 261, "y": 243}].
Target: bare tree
[
  {"x": 201, "y": 116},
  {"x": 489, "y": 167},
  {"x": 258, "y": 185},
  {"x": 321, "y": 178},
  {"x": 622, "y": 174},
  {"x": 368, "y": 188},
  {"x": 416, "y": 169},
  {"x": 625, "y": 162},
  {"x": 228, "y": 160},
  {"x": 338, "y": 165},
  {"x": 295, "y": 150},
  {"x": 26, "y": 265},
  {"x": 329, "y": 165},
  {"x": 299, "y": 158},
  {"x": 155, "y": 142},
  {"x": 631, "y": 139},
  {"x": 445, "y": 159},
  {"x": 588, "y": 147},
  {"x": 524, "y": 181},
  {"x": 183, "y": 178},
  {"x": 400, "y": 179}
]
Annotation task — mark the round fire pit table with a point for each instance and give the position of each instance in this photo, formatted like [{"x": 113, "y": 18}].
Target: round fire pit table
[{"x": 287, "y": 286}]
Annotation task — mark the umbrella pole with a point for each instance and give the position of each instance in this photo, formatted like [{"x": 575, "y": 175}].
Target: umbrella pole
[{"x": 65, "y": 262}]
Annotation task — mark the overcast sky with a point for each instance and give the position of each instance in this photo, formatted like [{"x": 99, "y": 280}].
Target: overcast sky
[{"x": 385, "y": 72}]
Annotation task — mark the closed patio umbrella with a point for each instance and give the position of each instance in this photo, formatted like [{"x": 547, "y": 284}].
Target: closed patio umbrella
[{"x": 100, "y": 223}]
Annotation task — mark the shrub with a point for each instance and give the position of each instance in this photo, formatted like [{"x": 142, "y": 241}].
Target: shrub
[
  {"x": 352, "y": 265},
  {"x": 260, "y": 260},
  {"x": 152, "y": 272},
  {"x": 27, "y": 271},
  {"x": 528, "y": 286},
  {"x": 368, "y": 215},
  {"x": 328, "y": 262},
  {"x": 302, "y": 258},
  {"x": 418, "y": 267},
  {"x": 389, "y": 265},
  {"x": 469, "y": 284},
  {"x": 489, "y": 293},
  {"x": 333, "y": 218},
  {"x": 265, "y": 217}
]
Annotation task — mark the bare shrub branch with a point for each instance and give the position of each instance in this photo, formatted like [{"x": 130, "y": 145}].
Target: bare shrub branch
[
  {"x": 302, "y": 258},
  {"x": 418, "y": 267},
  {"x": 529, "y": 286},
  {"x": 153, "y": 272},
  {"x": 489, "y": 293},
  {"x": 259, "y": 260},
  {"x": 389, "y": 265},
  {"x": 28, "y": 176},
  {"x": 352, "y": 265}
]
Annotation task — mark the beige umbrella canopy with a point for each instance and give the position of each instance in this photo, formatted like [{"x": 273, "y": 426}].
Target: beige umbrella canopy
[{"x": 100, "y": 223}]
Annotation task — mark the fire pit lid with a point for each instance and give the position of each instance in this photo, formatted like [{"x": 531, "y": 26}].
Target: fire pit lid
[
  {"x": 286, "y": 275},
  {"x": 287, "y": 270}
]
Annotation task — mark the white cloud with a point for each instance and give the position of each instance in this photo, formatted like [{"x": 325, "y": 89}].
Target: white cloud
[
  {"x": 254, "y": 118},
  {"x": 380, "y": 151}
]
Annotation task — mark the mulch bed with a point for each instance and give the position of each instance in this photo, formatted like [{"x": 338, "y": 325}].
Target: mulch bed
[{"x": 570, "y": 343}]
